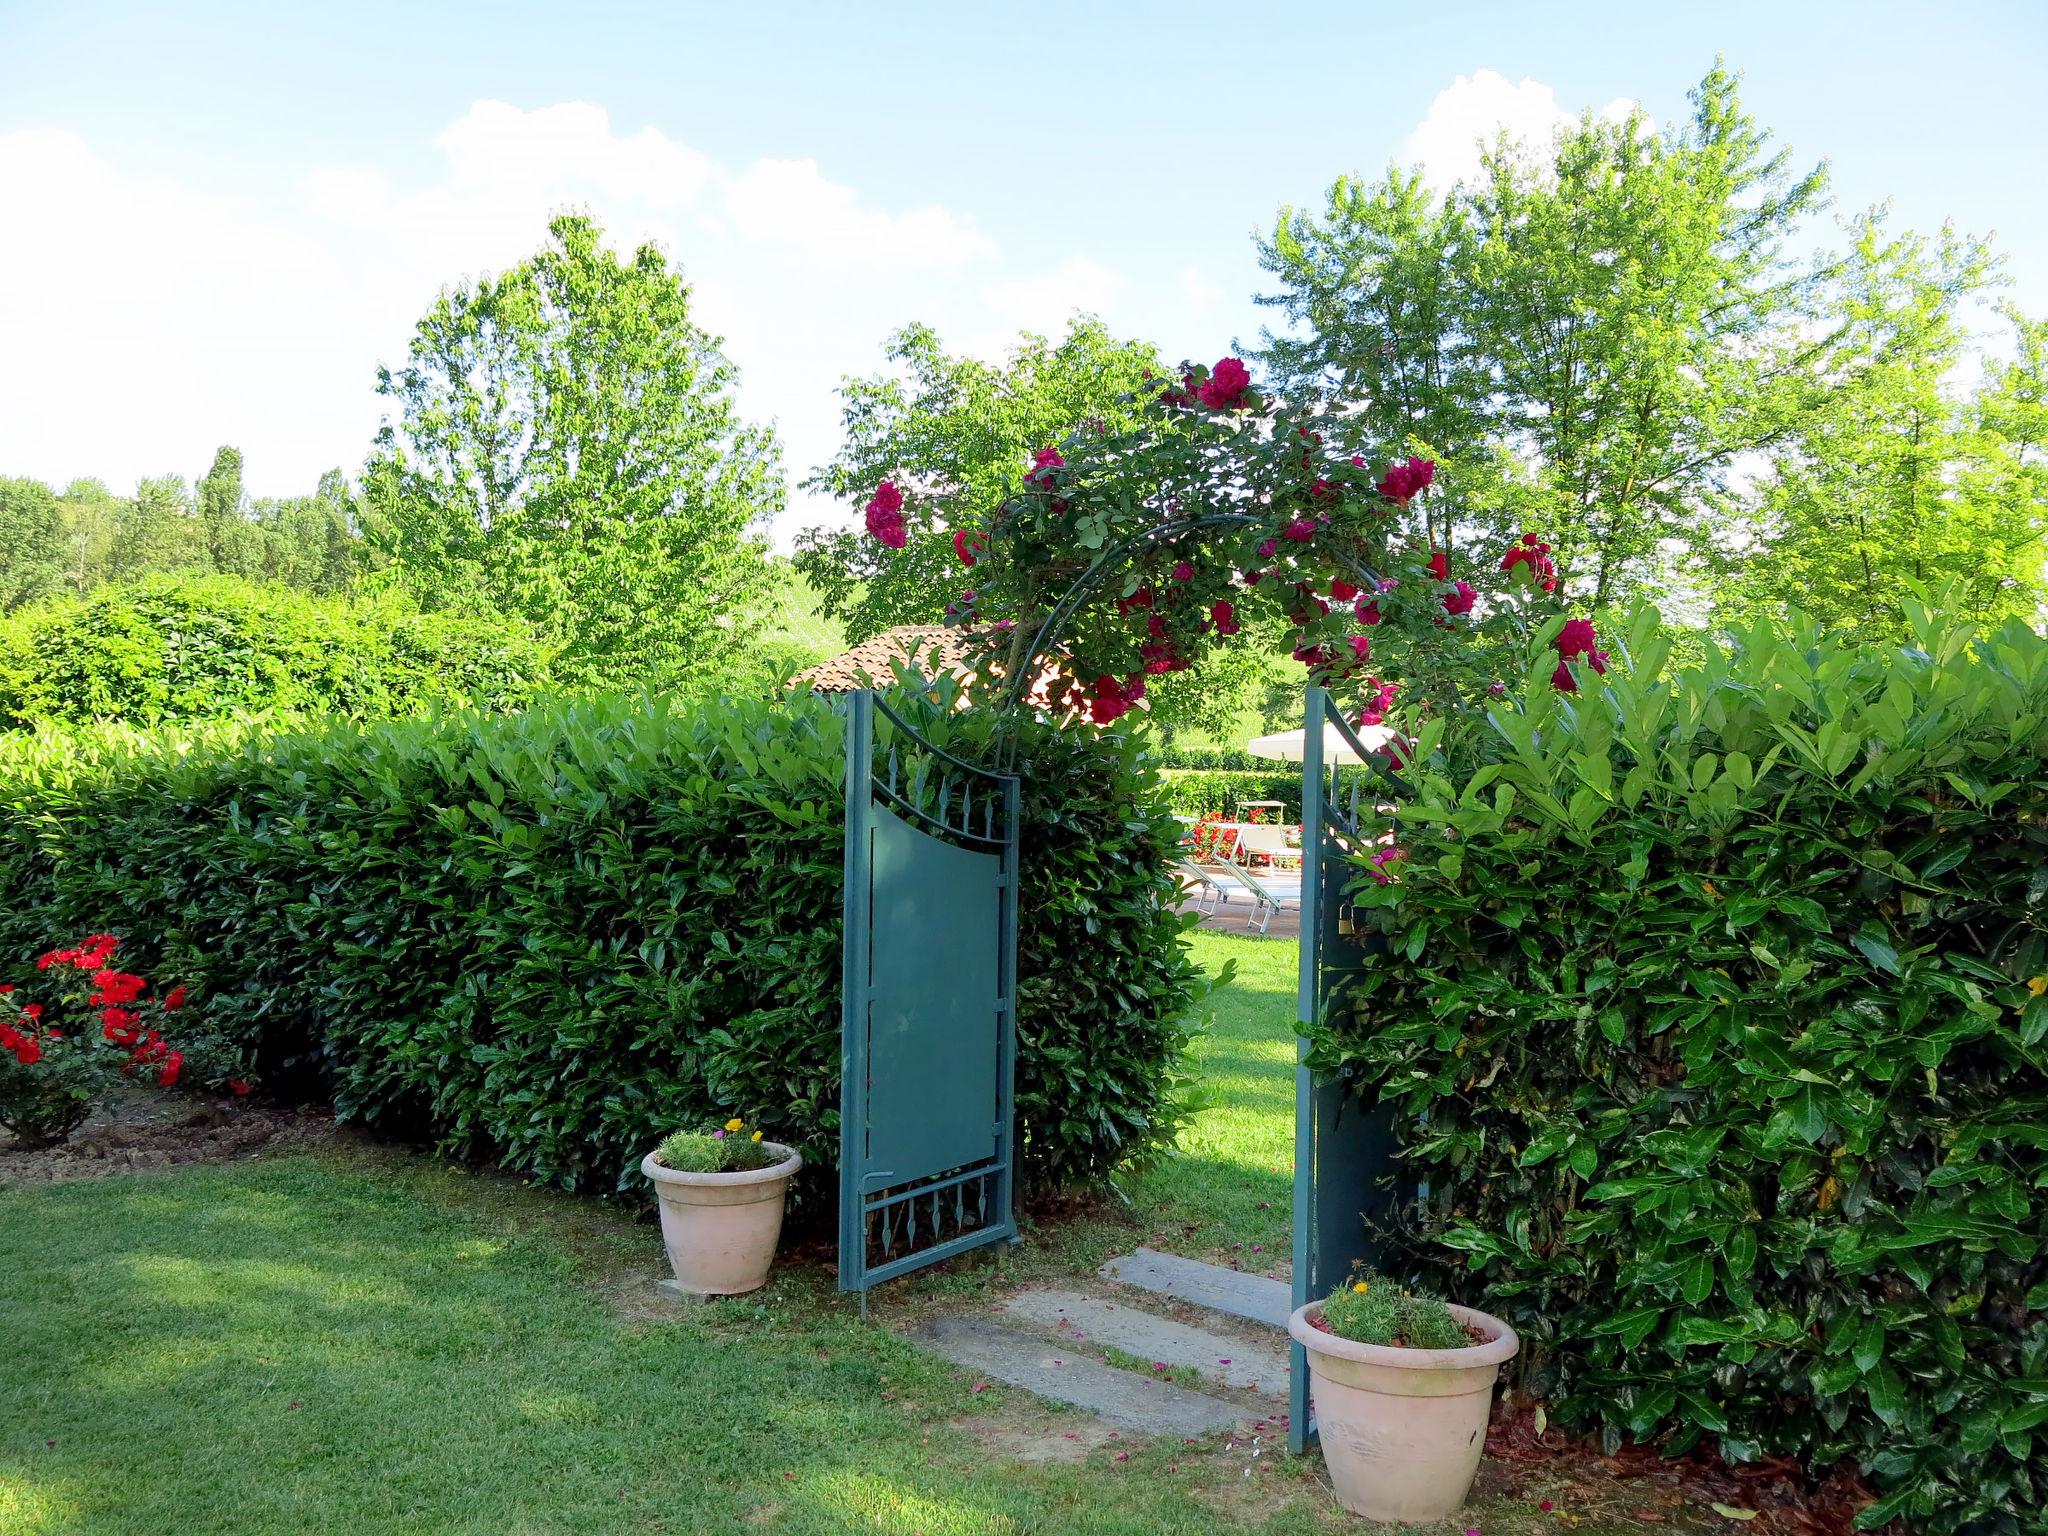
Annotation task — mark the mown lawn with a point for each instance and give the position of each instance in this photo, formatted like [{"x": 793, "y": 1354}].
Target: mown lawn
[
  {"x": 1231, "y": 1184},
  {"x": 360, "y": 1340}
]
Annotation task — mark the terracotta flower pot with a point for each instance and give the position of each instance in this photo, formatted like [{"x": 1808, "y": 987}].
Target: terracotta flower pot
[
  {"x": 720, "y": 1229},
  {"x": 1402, "y": 1429}
]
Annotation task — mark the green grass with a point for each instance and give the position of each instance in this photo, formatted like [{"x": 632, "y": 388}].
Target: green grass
[
  {"x": 360, "y": 1340},
  {"x": 363, "y": 1343},
  {"x": 1231, "y": 1184}
]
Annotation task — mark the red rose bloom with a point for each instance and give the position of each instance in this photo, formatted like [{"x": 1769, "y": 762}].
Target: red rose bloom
[
  {"x": 167, "y": 1074},
  {"x": 1576, "y": 638},
  {"x": 1440, "y": 564},
  {"x": 1229, "y": 382},
  {"x": 1184, "y": 571},
  {"x": 1224, "y": 616},
  {"x": 967, "y": 544},
  {"x": 1460, "y": 600},
  {"x": 1301, "y": 530},
  {"x": 1341, "y": 591},
  {"x": 174, "y": 1000}
]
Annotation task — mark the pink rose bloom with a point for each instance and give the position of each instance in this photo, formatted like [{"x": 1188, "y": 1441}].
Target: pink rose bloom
[
  {"x": 1229, "y": 382},
  {"x": 1402, "y": 481},
  {"x": 1460, "y": 600},
  {"x": 1049, "y": 458},
  {"x": 1368, "y": 611},
  {"x": 1266, "y": 549},
  {"x": 1301, "y": 530},
  {"x": 1361, "y": 647},
  {"x": 885, "y": 516},
  {"x": 1184, "y": 571}
]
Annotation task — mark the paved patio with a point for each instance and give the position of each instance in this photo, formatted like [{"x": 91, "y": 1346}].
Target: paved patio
[{"x": 1231, "y": 916}]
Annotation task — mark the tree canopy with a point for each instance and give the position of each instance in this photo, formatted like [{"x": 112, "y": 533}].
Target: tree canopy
[
  {"x": 565, "y": 445},
  {"x": 1606, "y": 341}
]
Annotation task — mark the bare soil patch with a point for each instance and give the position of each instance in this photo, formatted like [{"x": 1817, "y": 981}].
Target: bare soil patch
[{"x": 140, "y": 1131}]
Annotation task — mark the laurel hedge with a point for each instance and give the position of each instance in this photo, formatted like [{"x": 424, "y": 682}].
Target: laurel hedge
[
  {"x": 1713, "y": 1012},
  {"x": 545, "y": 938}
]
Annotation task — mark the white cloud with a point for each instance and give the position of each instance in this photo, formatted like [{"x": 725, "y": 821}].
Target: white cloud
[
  {"x": 1473, "y": 110},
  {"x": 146, "y": 321}
]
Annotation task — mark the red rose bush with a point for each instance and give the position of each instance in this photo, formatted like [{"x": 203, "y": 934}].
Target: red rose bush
[{"x": 81, "y": 1029}]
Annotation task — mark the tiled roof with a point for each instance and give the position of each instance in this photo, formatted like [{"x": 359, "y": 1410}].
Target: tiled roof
[{"x": 936, "y": 648}]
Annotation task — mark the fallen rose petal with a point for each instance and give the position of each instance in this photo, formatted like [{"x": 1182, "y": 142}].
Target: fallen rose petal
[
  {"x": 1121, "y": 1456},
  {"x": 982, "y": 1386}
]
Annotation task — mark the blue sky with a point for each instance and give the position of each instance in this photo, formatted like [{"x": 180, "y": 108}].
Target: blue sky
[{"x": 220, "y": 218}]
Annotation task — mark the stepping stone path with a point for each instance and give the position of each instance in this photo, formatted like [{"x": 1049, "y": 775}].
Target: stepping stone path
[{"x": 1049, "y": 1342}]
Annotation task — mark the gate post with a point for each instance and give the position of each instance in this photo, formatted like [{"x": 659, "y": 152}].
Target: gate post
[
  {"x": 853, "y": 976},
  {"x": 1340, "y": 1153}
]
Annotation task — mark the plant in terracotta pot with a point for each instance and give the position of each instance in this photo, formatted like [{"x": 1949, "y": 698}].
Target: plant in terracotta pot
[
  {"x": 1402, "y": 1388},
  {"x": 722, "y": 1192}
]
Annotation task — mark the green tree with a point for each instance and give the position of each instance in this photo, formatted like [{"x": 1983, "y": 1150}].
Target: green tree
[
  {"x": 234, "y": 544},
  {"x": 566, "y": 446},
  {"x": 157, "y": 530},
  {"x": 961, "y": 432},
  {"x": 1893, "y": 481},
  {"x": 31, "y": 549},
  {"x": 1588, "y": 338}
]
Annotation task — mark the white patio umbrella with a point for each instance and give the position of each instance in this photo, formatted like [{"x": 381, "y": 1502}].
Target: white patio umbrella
[{"x": 1287, "y": 746}]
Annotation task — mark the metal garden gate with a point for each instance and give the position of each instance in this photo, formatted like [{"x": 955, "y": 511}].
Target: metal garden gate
[
  {"x": 1341, "y": 1154},
  {"x": 928, "y": 1029}
]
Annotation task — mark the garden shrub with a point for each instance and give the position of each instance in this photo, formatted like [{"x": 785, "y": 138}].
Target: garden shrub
[
  {"x": 545, "y": 938},
  {"x": 1196, "y": 792},
  {"x": 1225, "y": 759},
  {"x": 171, "y": 649},
  {"x": 1714, "y": 1018}
]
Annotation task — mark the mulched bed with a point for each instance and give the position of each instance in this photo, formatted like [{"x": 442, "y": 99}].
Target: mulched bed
[
  {"x": 145, "y": 1130},
  {"x": 1637, "y": 1482}
]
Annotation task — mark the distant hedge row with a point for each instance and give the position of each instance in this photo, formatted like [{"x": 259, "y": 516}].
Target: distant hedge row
[
  {"x": 174, "y": 649},
  {"x": 1198, "y": 792},
  {"x": 544, "y": 938}
]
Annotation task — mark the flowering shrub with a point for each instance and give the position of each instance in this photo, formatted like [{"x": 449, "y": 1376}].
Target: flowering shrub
[
  {"x": 1223, "y": 506},
  {"x": 1713, "y": 1017},
  {"x": 80, "y": 1030},
  {"x": 727, "y": 1148}
]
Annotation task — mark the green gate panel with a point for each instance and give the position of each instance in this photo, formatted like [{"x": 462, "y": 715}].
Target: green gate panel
[
  {"x": 936, "y": 1014},
  {"x": 928, "y": 1029}
]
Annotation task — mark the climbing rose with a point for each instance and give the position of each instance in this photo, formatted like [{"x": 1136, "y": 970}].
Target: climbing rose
[
  {"x": 1361, "y": 646},
  {"x": 1440, "y": 564},
  {"x": 1368, "y": 610},
  {"x": 1266, "y": 549},
  {"x": 1402, "y": 481},
  {"x": 1301, "y": 530},
  {"x": 1460, "y": 600},
  {"x": 1341, "y": 591},
  {"x": 1229, "y": 382},
  {"x": 28, "y": 1052},
  {"x": 1049, "y": 458},
  {"x": 885, "y": 516},
  {"x": 1184, "y": 571},
  {"x": 1224, "y": 615},
  {"x": 966, "y": 544},
  {"x": 116, "y": 987}
]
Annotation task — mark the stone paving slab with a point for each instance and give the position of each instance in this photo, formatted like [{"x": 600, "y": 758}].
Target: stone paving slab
[
  {"x": 1123, "y": 1398},
  {"x": 1208, "y": 1285},
  {"x": 1232, "y": 1361}
]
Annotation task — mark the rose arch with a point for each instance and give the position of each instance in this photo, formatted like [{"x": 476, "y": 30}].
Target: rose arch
[{"x": 1127, "y": 554}]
